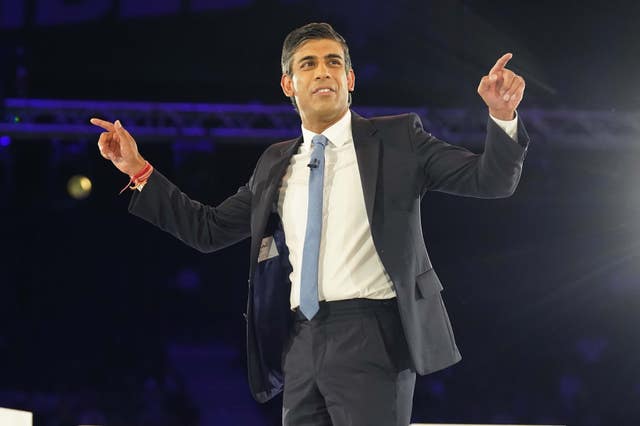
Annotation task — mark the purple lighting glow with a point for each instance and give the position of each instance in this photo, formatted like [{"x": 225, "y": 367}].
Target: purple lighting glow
[{"x": 5, "y": 141}]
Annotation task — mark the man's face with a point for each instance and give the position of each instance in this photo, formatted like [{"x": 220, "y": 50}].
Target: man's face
[{"x": 319, "y": 81}]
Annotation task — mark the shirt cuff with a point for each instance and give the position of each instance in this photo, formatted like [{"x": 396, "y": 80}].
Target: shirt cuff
[{"x": 510, "y": 127}]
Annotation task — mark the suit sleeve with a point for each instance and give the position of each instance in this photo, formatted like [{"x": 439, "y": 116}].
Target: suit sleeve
[
  {"x": 453, "y": 169},
  {"x": 205, "y": 228}
]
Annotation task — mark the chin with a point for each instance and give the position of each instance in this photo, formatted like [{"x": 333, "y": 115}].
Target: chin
[{"x": 331, "y": 109}]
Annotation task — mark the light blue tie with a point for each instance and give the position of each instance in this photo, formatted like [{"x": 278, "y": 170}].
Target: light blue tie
[{"x": 309, "y": 277}]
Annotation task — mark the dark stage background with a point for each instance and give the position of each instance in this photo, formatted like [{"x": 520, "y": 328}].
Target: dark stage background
[{"x": 106, "y": 320}]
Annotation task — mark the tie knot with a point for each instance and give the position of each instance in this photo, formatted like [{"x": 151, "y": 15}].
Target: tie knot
[{"x": 319, "y": 139}]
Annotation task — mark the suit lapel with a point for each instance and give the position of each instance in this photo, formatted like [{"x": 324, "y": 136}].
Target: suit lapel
[
  {"x": 277, "y": 170},
  {"x": 367, "y": 151}
]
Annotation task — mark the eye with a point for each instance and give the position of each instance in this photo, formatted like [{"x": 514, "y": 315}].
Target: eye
[{"x": 307, "y": 64}]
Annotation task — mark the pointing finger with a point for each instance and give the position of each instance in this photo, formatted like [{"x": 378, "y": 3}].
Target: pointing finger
[
  {"x": 102, "y": 123},
  {"x": 500, "y": 63}
]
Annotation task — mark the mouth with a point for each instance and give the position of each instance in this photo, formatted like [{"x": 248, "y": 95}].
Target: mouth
[{"x": 323, "y": 90}]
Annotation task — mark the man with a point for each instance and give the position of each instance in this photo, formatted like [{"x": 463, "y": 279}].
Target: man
[{"x": 344, "y": 306}]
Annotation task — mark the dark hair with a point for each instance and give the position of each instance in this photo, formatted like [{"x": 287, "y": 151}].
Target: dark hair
[{"x": 311, "y": 31}]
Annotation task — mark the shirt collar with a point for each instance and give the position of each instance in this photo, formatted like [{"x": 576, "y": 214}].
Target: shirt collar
[{"x": 338, "y": 133}]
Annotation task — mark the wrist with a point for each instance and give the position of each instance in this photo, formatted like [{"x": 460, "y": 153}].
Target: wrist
[
  {"x": 506, "y": 115},
  {"x": 137, "y": 167},
  {"x": 139, "y": 179}
]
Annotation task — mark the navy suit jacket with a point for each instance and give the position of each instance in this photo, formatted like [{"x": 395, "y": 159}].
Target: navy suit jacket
[{"x": 398, "y": 163}]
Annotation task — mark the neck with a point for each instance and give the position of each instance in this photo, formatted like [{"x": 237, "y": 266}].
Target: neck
[{"x": 320, "y": 124}]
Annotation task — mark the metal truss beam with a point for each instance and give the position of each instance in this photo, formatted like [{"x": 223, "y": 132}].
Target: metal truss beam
[{"x": 43, "y": 119}]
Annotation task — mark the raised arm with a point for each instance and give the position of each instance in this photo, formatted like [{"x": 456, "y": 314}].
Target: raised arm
[
  {"x": 205, "y": 228},
  {"x": 494, "y": 173}
]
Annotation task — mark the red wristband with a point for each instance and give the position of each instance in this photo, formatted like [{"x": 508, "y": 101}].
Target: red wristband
[{"x": 140, "y": 178}]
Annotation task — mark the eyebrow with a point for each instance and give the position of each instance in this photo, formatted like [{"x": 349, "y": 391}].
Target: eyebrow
[{"x": 328, "y": 56}]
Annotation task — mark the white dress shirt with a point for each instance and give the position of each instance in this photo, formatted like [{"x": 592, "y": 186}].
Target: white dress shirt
[{"x": 349, "y": 266}]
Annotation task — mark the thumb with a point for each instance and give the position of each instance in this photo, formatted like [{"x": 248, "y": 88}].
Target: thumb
[
  {"x": 486, "y": 84},
  {"x": 120, "y": 130}
]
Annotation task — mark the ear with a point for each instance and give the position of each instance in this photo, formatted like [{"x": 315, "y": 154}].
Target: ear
[
  {"x": 287, "y": 85},
  {"x": 351, "y": 80}
]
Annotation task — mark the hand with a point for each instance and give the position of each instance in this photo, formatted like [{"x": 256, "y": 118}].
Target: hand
[
  {"x": 502, "y": 90},
  {"x": 117, "y": 145}
]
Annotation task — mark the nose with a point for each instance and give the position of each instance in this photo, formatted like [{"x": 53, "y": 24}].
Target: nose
[{"x": 322, "y": 71}]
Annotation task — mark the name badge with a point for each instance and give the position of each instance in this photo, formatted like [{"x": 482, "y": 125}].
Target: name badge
[{"x": 268, "y": 249}]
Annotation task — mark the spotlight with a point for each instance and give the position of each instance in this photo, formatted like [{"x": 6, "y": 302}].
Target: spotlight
[{"x": 79, "y": 187}]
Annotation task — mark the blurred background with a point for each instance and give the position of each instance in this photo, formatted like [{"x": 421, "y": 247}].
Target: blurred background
[{"x": 107, "y": 320}]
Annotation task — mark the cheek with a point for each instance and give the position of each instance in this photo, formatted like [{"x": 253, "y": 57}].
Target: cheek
[
  {"x": 297, "y": 85},
  {"x": 296, "y": 89},
  {"x": 344, "y": 81}
]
